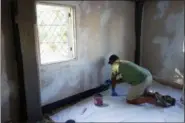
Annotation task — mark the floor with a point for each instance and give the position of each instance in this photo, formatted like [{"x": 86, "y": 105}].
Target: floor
[{"x": 117, "y": 110}]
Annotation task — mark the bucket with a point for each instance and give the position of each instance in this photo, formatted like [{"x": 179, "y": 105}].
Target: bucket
[{"x": 98, "y": 99}]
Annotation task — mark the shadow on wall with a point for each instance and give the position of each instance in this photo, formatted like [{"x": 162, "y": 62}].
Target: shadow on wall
[{"x": 100, "y": 64}]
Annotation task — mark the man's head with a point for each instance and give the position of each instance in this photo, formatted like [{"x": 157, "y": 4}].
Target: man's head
[{"x": 113, "y": 58}]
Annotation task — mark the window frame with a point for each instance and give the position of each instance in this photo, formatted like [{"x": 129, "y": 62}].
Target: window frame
[{"x": 73, "y": 43}]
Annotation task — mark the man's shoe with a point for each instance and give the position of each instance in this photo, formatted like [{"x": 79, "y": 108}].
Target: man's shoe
[{"x": 114, "y": 94}]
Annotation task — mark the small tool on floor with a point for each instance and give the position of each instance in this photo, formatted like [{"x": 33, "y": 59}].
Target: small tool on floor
[{"x": 84, "y": 110}]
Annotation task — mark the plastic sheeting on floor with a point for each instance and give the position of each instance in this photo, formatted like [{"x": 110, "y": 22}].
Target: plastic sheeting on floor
[{"x": 117, "y": 110}]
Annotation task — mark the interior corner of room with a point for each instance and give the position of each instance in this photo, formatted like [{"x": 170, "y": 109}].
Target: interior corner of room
[{"x": 55, "y": 53}]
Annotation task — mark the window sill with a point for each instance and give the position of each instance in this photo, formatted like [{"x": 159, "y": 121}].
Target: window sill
[{"x": 59, "y": 62}]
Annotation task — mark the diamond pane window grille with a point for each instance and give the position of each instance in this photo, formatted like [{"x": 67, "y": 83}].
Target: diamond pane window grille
[{"x": 55, "y": 33}]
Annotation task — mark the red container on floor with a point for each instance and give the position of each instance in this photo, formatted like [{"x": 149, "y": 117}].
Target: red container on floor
[{"x": 98, "y": 100}]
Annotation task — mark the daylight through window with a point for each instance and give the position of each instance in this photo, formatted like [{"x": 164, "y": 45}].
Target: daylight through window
[{"x": 56, "y": 34}]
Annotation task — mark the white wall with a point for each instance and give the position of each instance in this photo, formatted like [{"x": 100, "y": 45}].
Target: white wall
[
  {"x": 103, "y": 28},
  {"x": 163, "y": 36}
]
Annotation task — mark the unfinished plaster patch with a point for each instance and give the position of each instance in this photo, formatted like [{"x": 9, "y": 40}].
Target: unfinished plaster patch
[
  {"x": 162, "y": 6},
  {"x": 172, "y": 22},
  {"x": 106, "y": 72},
  {"x": 47, "y": 81},
  {"x": 85, "y": 6},
  {"x": 84, "y": 32},
  {"x": 163, "y": 43},
  {"x": 105, "y": 16},
  {"x": 106, "y": 4},
  {"x": 170, "y": 42},
  {"x": 168, "y": 54},
  {"x": 71, "y": 80}
]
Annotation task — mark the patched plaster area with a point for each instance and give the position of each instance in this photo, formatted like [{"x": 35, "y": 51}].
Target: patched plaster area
[{"x": 163, "y": 38}]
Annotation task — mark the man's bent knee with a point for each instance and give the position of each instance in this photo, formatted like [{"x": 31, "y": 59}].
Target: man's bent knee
[
  {"x": 132, "y": 101},
  {"x": 142, "y": 100}
]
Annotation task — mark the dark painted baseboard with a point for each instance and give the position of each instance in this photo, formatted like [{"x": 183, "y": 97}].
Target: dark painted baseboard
[{"x": 48, "y": 109}]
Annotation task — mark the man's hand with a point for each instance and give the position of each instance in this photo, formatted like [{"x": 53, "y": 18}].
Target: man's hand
[{"x": 113, "y": 87}]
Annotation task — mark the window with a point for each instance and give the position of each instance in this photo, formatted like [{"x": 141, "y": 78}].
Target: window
[{"x": 56, "y": 33}]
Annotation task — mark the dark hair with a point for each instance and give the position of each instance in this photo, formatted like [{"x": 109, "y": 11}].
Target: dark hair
[{"x": 113, "y": 58}]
